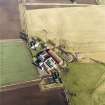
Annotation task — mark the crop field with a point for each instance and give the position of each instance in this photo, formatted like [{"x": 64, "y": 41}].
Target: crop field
[
  {"x": 61, "y": 23},
  {"x": 15, "y": 63},
  {"x": 87, "y": 81},
  {"x": 9, "y": 19},
  {"x": 80, "y": 28},
  {"x": 101, "y": 2}
]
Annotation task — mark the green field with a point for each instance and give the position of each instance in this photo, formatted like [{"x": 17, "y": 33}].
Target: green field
[
  {"x": 15, "y": 63},
  {"x": 101, "y": 2},
  {"x": 85, "y": 80}
]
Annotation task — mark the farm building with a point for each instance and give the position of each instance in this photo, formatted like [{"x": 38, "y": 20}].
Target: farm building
[
  {"x": 58, "y": 60},
  {"x": 47, "y": 60},
  {"x": 47, "y": 66}
]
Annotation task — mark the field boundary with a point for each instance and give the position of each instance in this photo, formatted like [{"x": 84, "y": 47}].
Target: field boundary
[
  {"x": 11, "y": 40},
  {"x": 19, "y": 85}
]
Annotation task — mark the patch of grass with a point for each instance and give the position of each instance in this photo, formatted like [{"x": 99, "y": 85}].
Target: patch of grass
[
  {"x": 100, "y": 2},
  {"x": 15, "y": 63},
  {"x": 82, "y": 80}
]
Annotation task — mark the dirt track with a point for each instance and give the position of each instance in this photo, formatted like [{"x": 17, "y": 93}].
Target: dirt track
[
  {"x": 86, "y": 1},
  {"x": 32, "y": 95},
  {"x": 63, "y": 1},
  {"x": 49, "y": 1}
]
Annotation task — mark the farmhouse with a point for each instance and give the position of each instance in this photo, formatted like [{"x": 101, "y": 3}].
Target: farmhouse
[{"x": 48, "y": 60}]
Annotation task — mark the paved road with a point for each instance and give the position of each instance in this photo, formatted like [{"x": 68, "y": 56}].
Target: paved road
[
  {"x": 9, "y": 19},
  {"x": 32, "y": 95}
]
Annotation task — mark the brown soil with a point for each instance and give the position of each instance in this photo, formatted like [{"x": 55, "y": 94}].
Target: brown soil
[
  {"x": 9, "y": 19},
  {"x": 31, "y": 95}
]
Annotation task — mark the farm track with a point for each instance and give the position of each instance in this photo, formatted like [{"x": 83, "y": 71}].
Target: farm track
[{"x": 63, "y": 1}]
